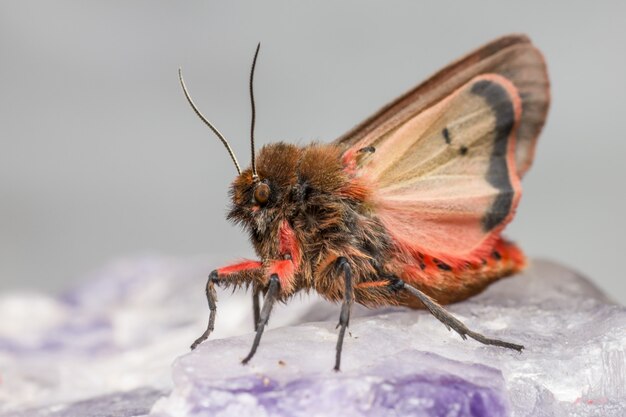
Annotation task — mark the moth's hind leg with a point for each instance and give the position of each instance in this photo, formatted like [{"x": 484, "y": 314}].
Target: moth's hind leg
[{"x": 448, "y": 319}]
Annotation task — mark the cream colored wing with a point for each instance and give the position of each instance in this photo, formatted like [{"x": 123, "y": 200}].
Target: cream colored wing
[{"x": 446, "y": 180}]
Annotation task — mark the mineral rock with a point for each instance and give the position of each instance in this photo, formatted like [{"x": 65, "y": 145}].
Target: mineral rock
[
  {"x": 106, "y": 348},
  {"x": 401, "y": 362}
]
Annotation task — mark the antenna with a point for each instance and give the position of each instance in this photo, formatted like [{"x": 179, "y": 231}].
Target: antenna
[
  {"x": 256, "y": 54},
  {"x": 217, "y": 132}
]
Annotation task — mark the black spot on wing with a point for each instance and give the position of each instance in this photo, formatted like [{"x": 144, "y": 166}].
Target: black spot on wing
[
  {"x": 442, "y": 265},
  {"x": 463, "y": 150},
  {"x": 498, "y": 174},
  {"x": 446, "y": 135},
  {"x": 367, "y": 149}
]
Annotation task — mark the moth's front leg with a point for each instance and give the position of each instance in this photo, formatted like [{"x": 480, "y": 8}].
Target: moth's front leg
[
  {"x": 270, "y": 298},
  {"x": 281, "y": 274},
  {"x": 236, "y": 274}
]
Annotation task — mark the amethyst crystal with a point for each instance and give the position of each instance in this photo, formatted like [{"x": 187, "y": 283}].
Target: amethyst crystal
[{"x": 412, "y": 383}]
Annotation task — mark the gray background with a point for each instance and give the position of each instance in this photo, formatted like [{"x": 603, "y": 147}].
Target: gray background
[{"x": 101, "y": 157}]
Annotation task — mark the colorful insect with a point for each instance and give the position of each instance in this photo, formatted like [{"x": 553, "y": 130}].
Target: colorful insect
[{"x": 406, "y": 209}]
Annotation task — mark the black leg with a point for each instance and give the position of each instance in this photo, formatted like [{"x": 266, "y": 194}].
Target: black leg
[
  {"x": 268, "y": 303},
  {"x": 344, "y": 318},
  {"x": 211, "y": 297},
  {"x": 449, "y": 320},
  {"x": 256, "y": 306}
]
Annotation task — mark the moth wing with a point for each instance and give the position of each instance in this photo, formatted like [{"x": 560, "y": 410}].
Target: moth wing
[
  {"x": 513, "y": 56},
  {"x": 445, "y": 181}
]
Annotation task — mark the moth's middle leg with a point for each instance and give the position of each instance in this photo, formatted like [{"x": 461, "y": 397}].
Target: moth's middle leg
[
  {"x": 256, "y": 306},
  {"x": 344, "y": 318}
]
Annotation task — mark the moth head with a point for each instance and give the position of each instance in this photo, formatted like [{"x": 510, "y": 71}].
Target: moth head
[
  {"x": 257, "y": 201},
  {"x": 269, "y": 191}
]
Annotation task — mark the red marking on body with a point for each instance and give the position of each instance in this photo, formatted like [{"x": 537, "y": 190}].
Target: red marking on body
[
  {"x": 327, "y": 261},
  {"x": 288, "y": 244},
  {"x": 289, "y": 249},
  {"x": 348, "y": 160},
  {"x": 422, "y": 269},
  {"x": 238, "y": 267},
  {"x": 357, "y": 189},
  {"x": 286, "y": 270},
  {"x": 374, "y": 284}
]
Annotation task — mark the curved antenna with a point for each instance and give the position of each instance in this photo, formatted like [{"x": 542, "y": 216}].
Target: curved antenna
[
  {"x": 217, "y": 132},
  {"x": 256, "y": 54}
]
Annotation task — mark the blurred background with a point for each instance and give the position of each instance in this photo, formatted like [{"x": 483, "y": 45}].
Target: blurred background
[{"x": 101, "y": 157}]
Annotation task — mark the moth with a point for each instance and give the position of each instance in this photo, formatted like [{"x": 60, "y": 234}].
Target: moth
[{"x": 407, "y": 208}]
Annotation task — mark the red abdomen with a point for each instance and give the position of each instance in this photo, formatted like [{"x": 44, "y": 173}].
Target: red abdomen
[{"x": 448, "y": 284}]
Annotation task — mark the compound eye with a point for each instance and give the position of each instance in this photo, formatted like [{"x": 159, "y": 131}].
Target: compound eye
[{"x": 262, "y": 193}]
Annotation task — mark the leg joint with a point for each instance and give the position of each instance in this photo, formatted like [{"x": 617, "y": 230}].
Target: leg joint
[
  {"x": 342, "y": 264},
  {"x": 274, "y": 279},
  {"x": 396, "y": 284}
]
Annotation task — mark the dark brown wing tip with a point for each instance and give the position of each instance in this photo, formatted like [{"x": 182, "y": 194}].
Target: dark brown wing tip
[
  {"x": 494, "y": 46},
  {"x": 515, "y": 38},
  {"x": 424, "y": 89}
]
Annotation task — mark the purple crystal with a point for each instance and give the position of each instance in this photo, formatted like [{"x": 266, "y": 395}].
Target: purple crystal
[
  {"x": 121, "y": 404},
  {"x": 412, "y": 384}
]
